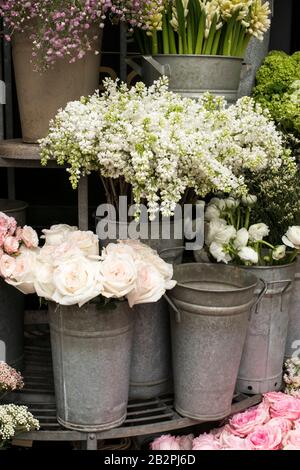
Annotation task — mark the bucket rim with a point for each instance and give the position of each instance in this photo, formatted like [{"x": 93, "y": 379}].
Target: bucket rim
[
  {"x": 233, "y": 289},
  {"x": 20, "y": 205},
  {"x": 235, "y": 58},
  {"x": 267, "y": 268}
]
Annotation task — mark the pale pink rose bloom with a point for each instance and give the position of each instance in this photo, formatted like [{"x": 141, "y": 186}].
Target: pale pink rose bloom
[
  {"x": 186, "y": 442},
  {"x": 166, "y": 442},
  {"x": 11, "y": 245},
  {"x": 288, "y": 407},
  {"x": 285, "y": 425},
  {"x": 2, "y": 238},
  {"x": 206, "y": 442},
  {"x": 150, "y": 285},
  {"x": 23, "y": 276},
  {"x": 86, "y": 241},
  {"x": 12, "y": 225},
  {"x": 274, "y": 397},
  {"x": 18, "y": 233},
  {"x": 1, "y": 252},
  {"x": 292, "y": 438},
  {"x": 57, "y": 234},
  {"x": 264, "y": 438},
  {"x": 229, "y": 441},
  {"x": 7, "y": 265},
  {"x": 119, "y": 274},
  {"x": 290, "y": 447},
  {"x": 242, "y": 424},
  {"x": 29, "y": 237},
  {"x": 4, "y": 223}
]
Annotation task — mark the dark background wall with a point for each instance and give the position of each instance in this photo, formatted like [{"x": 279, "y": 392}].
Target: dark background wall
[{"x": 50, "y": 197}]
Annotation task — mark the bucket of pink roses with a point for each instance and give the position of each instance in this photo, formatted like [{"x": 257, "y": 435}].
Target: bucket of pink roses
[
  {"x": 231, "y": 238},
  {"x": 55, "y": 48},
  {"x": 91, "y": 322}
]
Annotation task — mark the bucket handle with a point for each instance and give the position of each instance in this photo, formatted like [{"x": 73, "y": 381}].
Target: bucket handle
[
  {"x": 265, "y": 288},
  {"x": 259, "y": 298},
  {"x": 161, "y": 69},
  {"x": 179, "y": 249},
  {"x": 173, "y": 306}
]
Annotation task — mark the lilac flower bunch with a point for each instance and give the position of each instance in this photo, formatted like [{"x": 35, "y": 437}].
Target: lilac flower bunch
[{"x": 58, "y": 29}]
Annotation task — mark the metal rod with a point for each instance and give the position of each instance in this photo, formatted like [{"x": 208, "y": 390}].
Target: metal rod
[
  {"x": 83, "y": 205},
  {"x": 123, "y": 52}
]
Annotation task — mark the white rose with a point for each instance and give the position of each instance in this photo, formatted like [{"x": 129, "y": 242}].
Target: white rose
[
  {"x": 119, "y": 248},
  {"x": 219, "y": 232},
  {"x": 242, "y": 238},
  {"x": 211, "y": 213},
  {"x": 150, "y": 285},
  {"x": 292, "y": 237},
  {"x": 249, "y": 200},
  {"x": 279, "y": 252},
  {"x": 29, "y": 237},
  {"x": 7, "y": 265},
  {"x": 248, "y": 254},
  {"x": 57, "y": 233},
  {"x": 77, "y": 281},
  {"x": 119, "y": 274},
  {"x": 165, "y": 269},
  {"x": 257, "y": 232},
  {"x": 43, "y": 283},
  {"x": 23, "y": 276},
  {"x": 138, "y": 247},
  {"x": 217, "y": 251},
  {"x": 87, "y": 242}
]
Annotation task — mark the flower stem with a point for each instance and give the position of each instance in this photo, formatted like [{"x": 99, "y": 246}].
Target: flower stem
[
  {"x": 165, "y": 33},
  {"x": 154, "y": 43},
  {"x": 200, "y": 35}
]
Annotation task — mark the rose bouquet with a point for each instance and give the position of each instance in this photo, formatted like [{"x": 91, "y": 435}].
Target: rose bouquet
[
  {"x": 272, "y": 425},
  {"x": 159, "y": 148},
  {"x": 222, "y": 27},
  {"x": 10, "y": 379},
  {"x": 15, "y": 419},
  {"x": 230, "y": 236},
  {"x": 68, "y": 270},
  {"x": 57, "y": 29}
]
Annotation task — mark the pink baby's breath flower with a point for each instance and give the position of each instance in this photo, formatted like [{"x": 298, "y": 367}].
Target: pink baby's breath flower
[{"x": 10, "y": 379}]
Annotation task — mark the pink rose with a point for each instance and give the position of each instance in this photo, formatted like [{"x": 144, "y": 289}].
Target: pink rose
[
  {"x": 4, "y": 223},
  {"x": 229, "y": 441},
  {"x": 292, "y": 439},
  {"x": 242, "y": 424},
  {"x": 186, "y": 442},
  {"x": 18, "y": 233},
  {"x": 285, "y": 407},
  {"x": 12, "y": 225},
  {"x": 297, "y": 424},
  {"x": 2, "y": 238},
  {"x": 11, "y": 245},
  {"x": 285, "y": 425},
  {"x": 7, "y": 266},
  {"x": 206, "y": 442},
  {"x": 166, "y": 442},
  {"x": 290, "y": 447},
  {"x": 29, "y": 237},
  {"x": 264, "y": 438},
  {"x": 149, "y": 287}
]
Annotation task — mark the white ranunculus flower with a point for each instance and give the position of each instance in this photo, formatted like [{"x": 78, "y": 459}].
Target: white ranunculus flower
[
  {"x": 232, "y": 203},
  {"x": 57, "y": 234},
  {"x": 150, "y": 285},
  {"x": 23, "y": 276},
  {"x": 212, "y": 212},
  {"x": 220, "y": 233},
  {"x": 119, "y": 274},
  {"x": 77, "y": 280},
  {"x": 279, "y": 252},
  {"x": 218, "y": 252},
  {"x": 219, "y": 203},
  {"x": 249, "y": 200},
  {"x": 86, "y": 241},
  {"x": 292, "y": 237},
  {"x": 242, "y": 238},
  {"x": 248, "y": 254},
  {"x": 258, "y": 232},
  {"x": 213, "y": 228}
]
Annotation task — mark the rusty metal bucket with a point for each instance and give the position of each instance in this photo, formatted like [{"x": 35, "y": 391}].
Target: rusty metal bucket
[
  {"x": 263, "y": 356},
  {"x": 210, "y": 306},
  {"x": 91, "y": 351}
]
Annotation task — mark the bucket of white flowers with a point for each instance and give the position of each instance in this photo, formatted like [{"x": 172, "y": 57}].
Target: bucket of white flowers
[
  {"x": 91, "y": 316},
  {"x": 231, "y": 238}
]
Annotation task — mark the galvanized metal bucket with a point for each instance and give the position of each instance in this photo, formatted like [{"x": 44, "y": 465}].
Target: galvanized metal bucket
[
  {"x": 151, "y": 369},
  {"x": 12, "y": 302},
  {"x": 151, "y": 366},
  {"x": 210, "y": 307},
  {"x": 91, "y": 351},
  {"x": 293, "y": 337},
  {"x": 193, "y": 75},
  {"x": 263, "y": 355}
]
